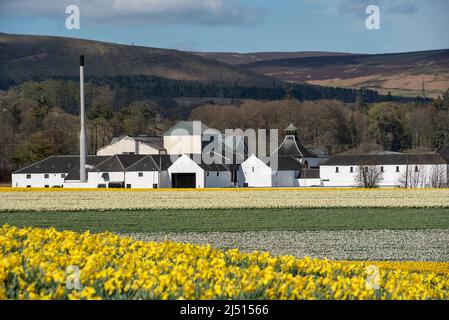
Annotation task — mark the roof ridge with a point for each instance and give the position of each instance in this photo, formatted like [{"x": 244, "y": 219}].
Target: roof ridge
[{"x": 33, "y": 164}]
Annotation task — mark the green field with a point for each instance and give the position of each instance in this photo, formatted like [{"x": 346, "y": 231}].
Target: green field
[{"x": 234, "y": 220}]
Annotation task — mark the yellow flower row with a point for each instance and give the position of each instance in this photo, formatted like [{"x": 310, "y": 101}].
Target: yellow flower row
[
  {"x": 47, "y": 264},
  {"x": 68, "y": 200}
]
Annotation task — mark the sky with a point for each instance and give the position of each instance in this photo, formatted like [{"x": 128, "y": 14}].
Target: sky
[{"x": 240, "y": 25}]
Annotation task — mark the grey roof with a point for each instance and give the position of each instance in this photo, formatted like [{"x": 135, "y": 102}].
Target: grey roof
[
  {"x": 287, "y": 163},
  {"x": 61, "y": 164},
  {"x": 184, "y": 128},
  {"x": 118, "y": 163},
  {"x": 444, "y": 152},
  {"x": 385, "y": 159},
  {"x": 151, "y": 163},
  {"x": 291, "y": 146}
]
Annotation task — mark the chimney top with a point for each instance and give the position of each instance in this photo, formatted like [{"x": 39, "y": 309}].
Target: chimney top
[{"x": 81, "y": 61}]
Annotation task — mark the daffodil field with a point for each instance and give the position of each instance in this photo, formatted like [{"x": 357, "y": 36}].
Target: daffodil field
[
  {"x": 150, "y": 199},
  {"x": 38, "y": 263}
]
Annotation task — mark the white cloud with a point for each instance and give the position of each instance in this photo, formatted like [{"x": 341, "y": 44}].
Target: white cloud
[{"x": 203, "y": 12}]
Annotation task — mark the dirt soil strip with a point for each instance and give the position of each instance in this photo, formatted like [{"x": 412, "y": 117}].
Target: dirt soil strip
[{"x": 379, "y": 245}]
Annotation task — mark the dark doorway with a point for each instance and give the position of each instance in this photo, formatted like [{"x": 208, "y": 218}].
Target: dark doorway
[{"x": 183, "y": 180}]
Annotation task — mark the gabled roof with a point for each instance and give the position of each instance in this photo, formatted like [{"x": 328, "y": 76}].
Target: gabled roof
[
  {"x": 185, "y": 128},
  {"x": 444, "y": 152},
  {"x": 60, "y": 164},
  {"x": 385, "y": 159},
  {"x": 145, "y": 164},
  {"x": 156, "y": 142},
  {"x": 291, "y": 146},
  {"x": 118, "y": 163}
]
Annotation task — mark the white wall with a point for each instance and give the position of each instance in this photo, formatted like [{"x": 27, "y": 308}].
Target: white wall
[
  {"x": 286, "y": 178},
  {"x": 391, "y": 178},
  {"x": 144, "y": 148},
  {"x": 125, "y": 145},
  {"x": 145, "y": 182},
  {"x": 182, "y": 144},
  {"x": 223, "y": 180},
  {"x": 37, "y": 180},
  {"x": 95, "y": 178},
  {"x": 186, "y": 165},
  {"x": 309, "y": 183},
  {"x": 255, "y": 173}
]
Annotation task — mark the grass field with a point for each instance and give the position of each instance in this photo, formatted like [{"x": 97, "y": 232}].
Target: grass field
[{"x": 235, "y": 220}]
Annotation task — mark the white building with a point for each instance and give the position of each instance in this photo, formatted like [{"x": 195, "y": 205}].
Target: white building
[
  {"x": 184, "y": 138},
  {"x": 133, "y": 145},
  {"x": 395, "y": 170}
]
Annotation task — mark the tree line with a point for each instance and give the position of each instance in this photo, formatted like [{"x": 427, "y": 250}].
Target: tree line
[{"x": 39, "y": 119}]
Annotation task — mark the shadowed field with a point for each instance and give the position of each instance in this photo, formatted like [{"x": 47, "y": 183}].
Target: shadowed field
[{"x": 236, "y": 220}]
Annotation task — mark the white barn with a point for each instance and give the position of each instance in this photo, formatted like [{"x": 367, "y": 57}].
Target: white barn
[{"x": 396, "y": 170}]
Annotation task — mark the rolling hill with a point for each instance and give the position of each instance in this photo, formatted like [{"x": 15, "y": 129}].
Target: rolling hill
[
  {"x": 398, "y": 73},
  {"x": 25, "y": 57}
]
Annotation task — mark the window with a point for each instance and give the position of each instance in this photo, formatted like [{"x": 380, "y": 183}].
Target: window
[
  {"x": 46, "y": 186},
  {"x": 63, "y": 175},
  {"x": 397, "y": 168},
  {"x": 105, "y": 176},
  {"x": 253, "y": 169},
  {"x": 351, "y": 169},
  {"x": 128, "y": 186},
  {"x": 416, "y": 169},
  {"x": 28, "y": 186},
  {"x": 218, "y": 173},
  {"x": 28, "y": 176},
  {"x": 46, "y": 176},
  {"x": 140, "y": 174},
  {"x": 207, "y": 173},
  {"x": 337, "y": 169},
  {"x": 381, "y": 169}
]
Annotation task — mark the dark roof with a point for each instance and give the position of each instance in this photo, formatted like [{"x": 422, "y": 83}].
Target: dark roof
[
  {"x": 60, "y": 164},
  {"x": 309, "y": 174},
  {"x": 156, "y": 142},
  {"x": 118, "y": 163},
  {"x": 385, "y": 159},
  {"x": 162, "y": 160},
  {"x": 291, "y": 146},
  {"x": 184, "y": 128},
  {"x": 145, "y": 164},
  {"x": 444, "y": 152},
  {"x": 285, "y": 163}
]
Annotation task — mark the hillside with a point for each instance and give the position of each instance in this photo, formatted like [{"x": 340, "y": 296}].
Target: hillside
[
  {"x": 25, "y": 58},
  {"x": 400, "y": 73},
  {"x": 236, "y": 58}
]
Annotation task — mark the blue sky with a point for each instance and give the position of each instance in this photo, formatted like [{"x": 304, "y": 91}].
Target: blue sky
[{"x": 240, "y": 25}]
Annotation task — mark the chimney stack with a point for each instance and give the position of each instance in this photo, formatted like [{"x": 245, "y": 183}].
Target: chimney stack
[{"x": 83, "y": 174}]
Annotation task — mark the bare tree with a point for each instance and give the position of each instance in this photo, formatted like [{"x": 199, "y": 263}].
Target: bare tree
[
  {"x": 421, "y": 177},
  {"x": 438, "y": 177},
  {"x": 369, "y": 176}
]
